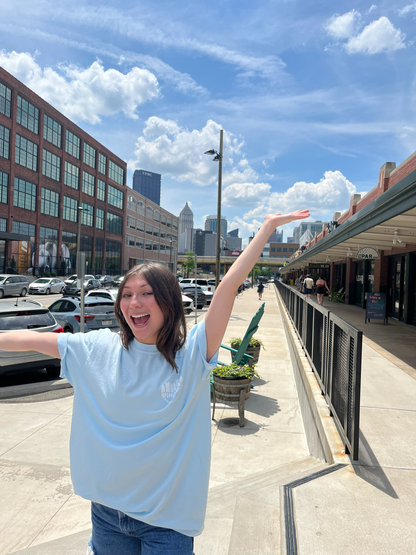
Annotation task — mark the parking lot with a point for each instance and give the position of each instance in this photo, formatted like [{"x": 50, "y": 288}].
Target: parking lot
[{"x": 19, "y": 383}]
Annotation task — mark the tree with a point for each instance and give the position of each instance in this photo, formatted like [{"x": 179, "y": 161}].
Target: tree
[{"x": 189, "y": 262}]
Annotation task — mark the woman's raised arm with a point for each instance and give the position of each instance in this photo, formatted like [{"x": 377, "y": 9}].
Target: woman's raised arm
[
  {"x": 46, "y": 343},
  {"x": 221, "y": 306}
]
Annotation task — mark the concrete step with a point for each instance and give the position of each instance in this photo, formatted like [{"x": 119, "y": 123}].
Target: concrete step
[{"x": 244, "y": 516}]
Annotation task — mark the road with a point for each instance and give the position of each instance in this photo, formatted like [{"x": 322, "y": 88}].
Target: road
[{"x": 19, "y": 381}]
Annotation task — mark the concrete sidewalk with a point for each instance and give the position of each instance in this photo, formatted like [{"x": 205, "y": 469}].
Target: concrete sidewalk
[{"x": 40, "y": 514}]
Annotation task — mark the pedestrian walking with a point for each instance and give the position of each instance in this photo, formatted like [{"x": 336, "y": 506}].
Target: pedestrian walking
[
  {"x": 141, "y": 433},
  {"x": 321, "y": 287},
  {"x": 308, "y": 286},
  {"x": 260, "y": 290}
]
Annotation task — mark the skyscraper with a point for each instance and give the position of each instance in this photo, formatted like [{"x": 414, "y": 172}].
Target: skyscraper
[
  {"x": 147, "y": 184},
  {"x": 211, "y": 225},
  {"x": 186, "y": 222}
]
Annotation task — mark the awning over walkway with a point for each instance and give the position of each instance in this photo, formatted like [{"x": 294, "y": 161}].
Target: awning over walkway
[{"x": 388, "y": 221}]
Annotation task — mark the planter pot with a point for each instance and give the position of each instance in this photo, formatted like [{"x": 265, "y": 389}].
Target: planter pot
[
  {"x": 228, "y": 389},
  {"x": 231, "y": 390},
  {"x": 252, "y": 351}
]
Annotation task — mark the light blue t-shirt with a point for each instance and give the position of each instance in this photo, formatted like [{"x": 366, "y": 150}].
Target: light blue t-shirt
[{"x": 141, "y": 433}]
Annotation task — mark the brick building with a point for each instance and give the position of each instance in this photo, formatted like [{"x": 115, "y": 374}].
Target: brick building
[
  {"x": 151, "y": 232},
  {"x": 371, "y": 248},
  {"x": 51, "y": 174},
  {"x": 282, "y": 250}
]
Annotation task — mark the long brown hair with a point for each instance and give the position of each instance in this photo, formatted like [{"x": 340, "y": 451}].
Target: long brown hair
[{"x": 165, "y": 286}]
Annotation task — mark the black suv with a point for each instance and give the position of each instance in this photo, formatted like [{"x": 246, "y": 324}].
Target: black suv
[{"x": 27, "y": 314}]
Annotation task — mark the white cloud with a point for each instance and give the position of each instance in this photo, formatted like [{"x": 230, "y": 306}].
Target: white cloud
[
  {"x": 372, "y": 8},
  {"x": 407, "y": 9},
  {"x": 379, "y": 36},
  {"x": 343, "y": 26},
  {"x": 84, "y": 94},
  {"x": 332, "y": 193},
  {"x": 169, "y": 149},
  {"x": 245, "y": 194},
  {"x": 248, "y": 175}
]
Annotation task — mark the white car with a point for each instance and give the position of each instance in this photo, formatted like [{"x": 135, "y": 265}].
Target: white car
[
  {"x": 74, "y": 277},
  {"x": 207, "y": 285},
  {"x": 46, "y": 286},
  {"x": 110, "y": 293}
]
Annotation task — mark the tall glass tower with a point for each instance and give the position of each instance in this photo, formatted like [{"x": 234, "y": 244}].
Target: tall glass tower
[{"x": 147, "y": 184}]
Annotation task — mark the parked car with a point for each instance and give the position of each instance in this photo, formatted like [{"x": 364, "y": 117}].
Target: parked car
[
  {"x": 188, "y": 304},
  {"x": 74, "y": 277},
  {"x": 106, "y": 281},
  {"x": 98, "y": 314},
  {"x": 247, "y": 283},
  {"x": 47, "y": 286},
  {"x": 117, "y": 280},
  {"x": 201, "y": 282},
  {"x": 110, "y": 293},
  {"x": 73, "y": 289},
  {"x": 13, "y": 285},
  {"x": 208, "y": 297},
  {"x": 27, "y": 314},
  {"x": 189, "y": 291}
]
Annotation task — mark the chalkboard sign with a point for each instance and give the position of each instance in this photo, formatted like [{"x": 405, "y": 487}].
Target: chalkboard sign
[{"x": 376, "y": 307}]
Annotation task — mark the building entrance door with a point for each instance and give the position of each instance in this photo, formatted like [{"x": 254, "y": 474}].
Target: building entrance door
[
  {"x": 359, "y": 283},
  {"x": 397, "y": 286}
]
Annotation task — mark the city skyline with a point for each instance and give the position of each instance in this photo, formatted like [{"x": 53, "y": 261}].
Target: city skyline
[{"x": 299, "y": 89}]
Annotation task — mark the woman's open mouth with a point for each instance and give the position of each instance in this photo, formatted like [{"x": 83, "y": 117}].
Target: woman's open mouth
[{"x": 140, "y": 320}]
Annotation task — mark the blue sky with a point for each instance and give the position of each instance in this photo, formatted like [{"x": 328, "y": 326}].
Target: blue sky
[{"x": 313, "y": 99}]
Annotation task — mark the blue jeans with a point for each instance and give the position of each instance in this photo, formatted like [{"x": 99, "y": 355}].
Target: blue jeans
[{"x": 115, "y": 533}]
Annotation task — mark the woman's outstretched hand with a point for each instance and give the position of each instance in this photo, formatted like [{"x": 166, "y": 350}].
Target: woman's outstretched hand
[{"x": 282, "y": 219}]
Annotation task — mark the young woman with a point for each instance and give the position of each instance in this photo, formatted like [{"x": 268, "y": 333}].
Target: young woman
[
  {"x": 141, "y": 430},
  {"x": 260, "y": 290},
  {"x": 321, "y": 286}
]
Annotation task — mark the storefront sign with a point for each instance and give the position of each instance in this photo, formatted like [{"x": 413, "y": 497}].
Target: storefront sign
[
  {"x": 376, "y": 307},
  {"x": 368, "y": 253}
]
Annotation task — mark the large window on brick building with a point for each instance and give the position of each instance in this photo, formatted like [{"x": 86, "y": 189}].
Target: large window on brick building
[
  {"x": 89, "y": 155},
  {"x": 4, "y": 187},
  {"x": 27, "y": 115},
  {"x": 70, "y": 209},
  {"x": 115, "y": 173},
  {"x": 49, "y": 202},
  {"x": 102, "y": 163},
  {"x": 140, "y": 225},
  {"x": 99, "y": 251},
  {"x": 24, "y": 194},
  {"x": 115, "y": 197},
  {"x": 131, "y": 203},
  {"x": 140, "y": 207},
  {"x": 87, "y": 214},
  {"x": 4, "y": 142},
  {"x": 52, "y": 131},
  {"x": 5, "y": 100},
  {"x": 101, "y": 189},
  {"x": 130, "y": 240},
  {"x": 114, "y": 223},
  {"x": 99, "y": 218},
  {"x": 48, "y": 247},
  {"x": 88, "y": 184},
  {"x": 71, "y": 175},
  {"x": 112, "y": 256},
  {"x": 72, "y": 144},
  {"x": 51, "y": 165},
  {"x": 131, "y": 222},
  {"x": 24, "y": 229},
  {"x": 26, "y": 153},
  {"x": 69, "y": 250}
]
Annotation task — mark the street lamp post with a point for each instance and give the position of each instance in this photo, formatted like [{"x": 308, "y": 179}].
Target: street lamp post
[{"x": 218, "y": 158}]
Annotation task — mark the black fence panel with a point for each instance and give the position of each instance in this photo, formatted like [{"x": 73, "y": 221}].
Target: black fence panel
[{"x": 334, "y": 350}]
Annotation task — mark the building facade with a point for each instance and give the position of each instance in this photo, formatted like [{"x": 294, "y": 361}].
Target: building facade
[
  {"x": 148, "y": 184},
  {"x": 151, "y": 232},
  {"x": 186, "y": 225},
  {"x": 282, "y": 250},
  {"x": 211, "y": 225},
  {"x": 55, "y": 179}
]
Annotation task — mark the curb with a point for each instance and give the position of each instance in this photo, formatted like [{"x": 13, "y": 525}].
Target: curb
[{"x": 25, "y": 390}]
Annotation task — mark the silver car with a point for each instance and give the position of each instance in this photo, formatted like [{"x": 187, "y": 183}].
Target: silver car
[
  {"x": 47, "y": 286},
  {"x": 98, "y": 314},
  {"x": 13, "y": 285},
  {"x": 27, "y": 314}
]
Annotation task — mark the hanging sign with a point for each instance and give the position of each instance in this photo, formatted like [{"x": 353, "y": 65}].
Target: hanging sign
[{"x": 368, "y": 253}]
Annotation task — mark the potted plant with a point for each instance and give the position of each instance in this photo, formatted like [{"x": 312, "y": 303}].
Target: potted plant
[
  {"x": 253, "y": 348},
  {"x": 232, "y": 384}
]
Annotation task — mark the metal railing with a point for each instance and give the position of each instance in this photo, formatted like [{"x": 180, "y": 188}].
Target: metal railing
[{"x": 334, "y": 350}]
